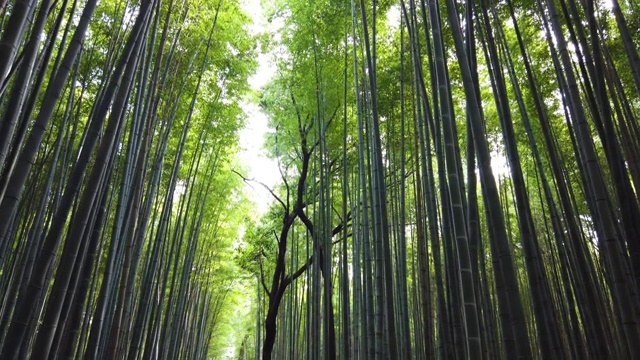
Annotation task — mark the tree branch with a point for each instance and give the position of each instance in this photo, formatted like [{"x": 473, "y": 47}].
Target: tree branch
[
  {"x": 309, "y": 225},
  {"x": 289, "y": 279},
  {"x": 247, "y": 180},
  {"x": 264, "y": 286}
]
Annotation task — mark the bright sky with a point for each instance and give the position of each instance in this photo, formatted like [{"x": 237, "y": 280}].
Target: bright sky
[{"x": 260, "y": 168}]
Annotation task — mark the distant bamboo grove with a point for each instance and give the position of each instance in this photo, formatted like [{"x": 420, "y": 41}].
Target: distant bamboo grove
[{"x": 459, "y": 180}]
